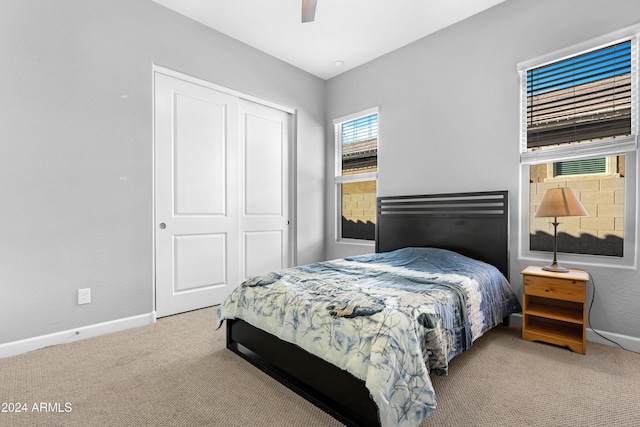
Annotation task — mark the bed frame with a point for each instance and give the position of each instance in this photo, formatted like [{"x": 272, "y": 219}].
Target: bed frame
[{"x": 472, "y": 224}]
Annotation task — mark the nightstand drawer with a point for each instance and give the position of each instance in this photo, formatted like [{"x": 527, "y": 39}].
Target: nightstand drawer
[{"x": 549, "y": 287}]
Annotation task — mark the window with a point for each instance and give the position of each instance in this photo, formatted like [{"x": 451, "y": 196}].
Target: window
[
  {"x": 355, "y": 174},
  {"x": 579, "y": 130},
  {"x": 601, "y": 194},
  {"x": 581, "y": 167},
  {"x": 580, "y": 99}
]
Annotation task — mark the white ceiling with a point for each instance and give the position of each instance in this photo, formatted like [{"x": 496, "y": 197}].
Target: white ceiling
[{"x": 350, "y": 31}]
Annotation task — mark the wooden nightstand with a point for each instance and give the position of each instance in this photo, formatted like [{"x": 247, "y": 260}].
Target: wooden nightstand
[{"x": 554, "y": 308}]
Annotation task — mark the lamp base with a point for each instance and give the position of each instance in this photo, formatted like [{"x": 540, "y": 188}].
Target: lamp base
[{"x": 555, "y": 268}]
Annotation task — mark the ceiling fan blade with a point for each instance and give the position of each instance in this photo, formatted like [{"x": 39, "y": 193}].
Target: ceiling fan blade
[{"x": 308, "y": 10}]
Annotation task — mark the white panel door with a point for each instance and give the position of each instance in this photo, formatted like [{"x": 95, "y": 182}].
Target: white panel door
[
  {"x": 265, "y": 181},
  {"x": 196, "y": 195}
]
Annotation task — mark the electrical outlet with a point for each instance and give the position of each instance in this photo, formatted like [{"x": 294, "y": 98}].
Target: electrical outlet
[{"x": 84, "y": 296}]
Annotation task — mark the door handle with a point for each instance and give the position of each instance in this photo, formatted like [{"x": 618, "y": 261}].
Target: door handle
[{"x": 162, "y": 226}]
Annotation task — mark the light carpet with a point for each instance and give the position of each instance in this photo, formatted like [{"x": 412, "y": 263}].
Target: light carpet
[{"x": 177, "y": 372}]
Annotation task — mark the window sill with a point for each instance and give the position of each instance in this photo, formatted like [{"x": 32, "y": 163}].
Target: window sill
[
  {"x": 579, "y": 261},
  {"x": 356, "y": 242}
]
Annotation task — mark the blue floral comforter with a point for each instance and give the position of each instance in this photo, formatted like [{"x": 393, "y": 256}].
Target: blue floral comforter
[{"x": 388, "y": 318}]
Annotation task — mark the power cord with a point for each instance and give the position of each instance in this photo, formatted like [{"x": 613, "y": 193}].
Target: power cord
[{"x": 593, "y": 297}]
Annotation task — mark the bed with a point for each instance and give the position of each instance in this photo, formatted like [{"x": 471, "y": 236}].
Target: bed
[{"x": 359, "y": 336}]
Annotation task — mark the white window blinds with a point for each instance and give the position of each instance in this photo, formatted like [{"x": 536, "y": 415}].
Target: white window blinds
[
  {"x": 360, "y": 145},
  {"x": 581, "y": 105},
  {"x": 357, "y": 146}
]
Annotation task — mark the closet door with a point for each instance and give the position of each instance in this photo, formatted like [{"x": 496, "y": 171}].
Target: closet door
[
  {"x": 265, "y": 183},
  {"x": 222, "y": 196},
  {"x": 196, "y": 195}
]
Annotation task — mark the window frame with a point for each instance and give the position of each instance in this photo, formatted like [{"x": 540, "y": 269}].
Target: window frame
[
  {"x": 627, "y": 146},
  {"x": 340, "y": 179}
]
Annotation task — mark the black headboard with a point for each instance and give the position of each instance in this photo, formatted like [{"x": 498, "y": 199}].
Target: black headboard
[{"x": 472, "y": 224}]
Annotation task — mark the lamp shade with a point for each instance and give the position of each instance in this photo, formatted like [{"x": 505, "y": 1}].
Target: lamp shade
[{"x": 560, "y": 202}]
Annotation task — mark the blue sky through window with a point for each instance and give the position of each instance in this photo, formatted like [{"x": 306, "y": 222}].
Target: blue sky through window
[
  {"x": 592, "y": 66},
  {"x": 360, "y": 129}
]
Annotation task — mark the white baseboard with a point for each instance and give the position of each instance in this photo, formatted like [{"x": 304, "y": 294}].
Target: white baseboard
[
  {"x": 629, "y": 343},
  {"x": 71, "y": 335}
]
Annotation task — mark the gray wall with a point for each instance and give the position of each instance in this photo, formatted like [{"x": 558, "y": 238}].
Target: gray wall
[
  {"x": 76, "y": 163},
  {"x": 449, "y": 118}
]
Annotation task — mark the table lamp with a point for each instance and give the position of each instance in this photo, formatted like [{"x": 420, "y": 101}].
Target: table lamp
[{"x": 559, "y": 202}]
